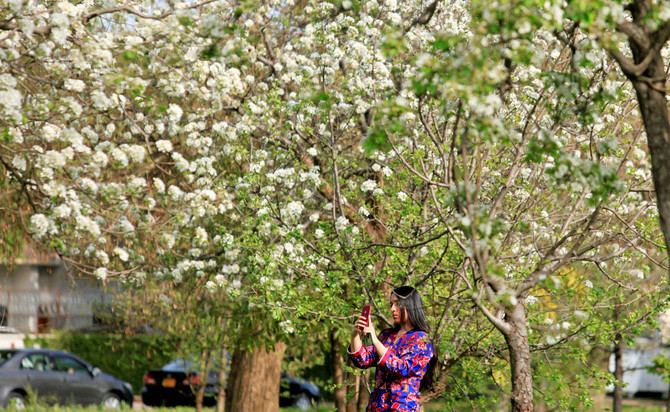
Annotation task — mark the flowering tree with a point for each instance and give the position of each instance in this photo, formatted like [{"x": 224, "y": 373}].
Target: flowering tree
[{"x": 295, "y": 159}]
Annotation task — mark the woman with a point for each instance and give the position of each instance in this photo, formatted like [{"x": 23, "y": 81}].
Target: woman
[{"x": 403, "y": 354}]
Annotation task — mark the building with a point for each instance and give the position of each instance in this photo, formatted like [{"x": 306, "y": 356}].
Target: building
[{"x": 38, "y": 295}]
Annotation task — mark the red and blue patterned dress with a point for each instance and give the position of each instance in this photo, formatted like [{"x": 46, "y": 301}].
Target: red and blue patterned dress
[{"x": 399, "y": 372}]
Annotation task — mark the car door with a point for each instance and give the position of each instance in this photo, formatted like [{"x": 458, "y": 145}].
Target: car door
[
  {"x": 42, "y": 380},
  {"x": 79, "y": 385}
]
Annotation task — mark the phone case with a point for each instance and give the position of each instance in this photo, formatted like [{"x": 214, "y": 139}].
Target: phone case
[{"x": 366, "y": 312}]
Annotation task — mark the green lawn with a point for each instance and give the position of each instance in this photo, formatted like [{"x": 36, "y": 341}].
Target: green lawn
[{"x": 433, "y": 407}]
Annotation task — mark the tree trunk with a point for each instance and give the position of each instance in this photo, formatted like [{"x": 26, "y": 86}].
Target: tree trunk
[
  {"x": 650, "y": 89},
  {"x": 204, "y": 376},
  {"x": 519, "y": 355},
  {"x": 253, "y": 385},
  {"x": 352, "y": 390},
  {"x": 617, "y": 401},
  {"x": 363, "y": 390},
  {"x": 653, "y": 108},
  {"x": 221, "y": 396},
  {"x": 340, "y": 393}
]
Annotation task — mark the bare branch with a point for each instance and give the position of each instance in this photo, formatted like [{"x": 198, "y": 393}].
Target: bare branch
[
  {"x": 425, "y": 17},
  {"x": 42, "y": 30},
  {"x": 497, "y": 322},
  {"x": 131, "y": 10},
  {"x": 413, "y": 170}
]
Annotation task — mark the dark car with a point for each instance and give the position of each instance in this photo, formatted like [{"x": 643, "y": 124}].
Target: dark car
[
  {"x": 298, "y": 392},
  {"x": 173, "y": 384},
  {"x": 57, "y": 377}
]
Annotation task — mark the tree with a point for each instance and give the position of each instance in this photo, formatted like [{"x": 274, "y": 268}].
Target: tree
[{"x": 295, "y": 159}]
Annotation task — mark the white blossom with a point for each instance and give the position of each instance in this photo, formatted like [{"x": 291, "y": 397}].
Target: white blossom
[
  {"x": 101, "y": 273},
  {"x": 368, "y": 185},
  {"x": 74, "y": 85},
  {"x": 287, "y": 326},
  {"x": 39, "y": 224},
  {"x": 122, "y": 254},
  {"x": 164, "y": 146},
  {"x": 175, "y": 112},
  {"x": 102, "y": 256},
  {"x": 341, "y": 223},
  {"x": 293, "y": 210}
]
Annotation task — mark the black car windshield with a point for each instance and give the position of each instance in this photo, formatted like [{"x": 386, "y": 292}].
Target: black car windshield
[{"x": 6, "y": 354}]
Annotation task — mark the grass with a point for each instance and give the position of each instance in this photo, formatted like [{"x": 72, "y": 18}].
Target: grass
[
  {"x": 640, "y": 406},
  {"x": 33, "y": 407}
]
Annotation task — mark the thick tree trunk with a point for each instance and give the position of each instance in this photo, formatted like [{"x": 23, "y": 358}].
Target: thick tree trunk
[
  {"x": 253, "y": 384},
  {"x": 340, "y": 393},
  {"x": 651, "y": 95},
  {"x": 519, "y": 355},
  {"x": 654, "y": 110}
]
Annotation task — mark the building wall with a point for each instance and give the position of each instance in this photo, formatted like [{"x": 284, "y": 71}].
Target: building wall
[{"x": 39, "y": 298}]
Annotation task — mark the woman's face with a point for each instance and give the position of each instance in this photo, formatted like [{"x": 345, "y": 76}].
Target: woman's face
[{"x": 396, "y": 311}]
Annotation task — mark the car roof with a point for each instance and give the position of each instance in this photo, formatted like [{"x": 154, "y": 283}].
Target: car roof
[
  {"x": 37, "y": 350},
  {"x": 7, "y": 329}
]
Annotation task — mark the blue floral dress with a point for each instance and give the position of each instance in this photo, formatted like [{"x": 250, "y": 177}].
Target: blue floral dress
[{"x": 399, "y": 372}]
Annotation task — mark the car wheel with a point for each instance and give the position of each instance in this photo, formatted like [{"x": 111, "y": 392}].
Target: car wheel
[
  {"x": 111, "y": 401},
  {"x": 16, "y": 401},
  {"x": 303, "y": 402}
]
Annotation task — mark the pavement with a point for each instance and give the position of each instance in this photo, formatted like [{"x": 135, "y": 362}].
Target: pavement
[{"x": 138, "y": 405}]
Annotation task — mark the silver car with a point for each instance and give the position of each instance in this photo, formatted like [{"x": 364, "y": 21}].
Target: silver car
[{"x": 57, "y": 377}]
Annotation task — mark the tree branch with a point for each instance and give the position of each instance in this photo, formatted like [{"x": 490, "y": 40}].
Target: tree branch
[
  {"x": 131, "y": 10},
  {"x": 631, "y": 70},
  {"x": 635, "y": 33}
]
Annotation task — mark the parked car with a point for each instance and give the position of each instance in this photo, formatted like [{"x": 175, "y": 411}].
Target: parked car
[
  {"x": 172, "y": 384},
  {"x": 298, "y": 392},
  {"x": 57, "y": 377},
  {"x": 637, "y": 379}
]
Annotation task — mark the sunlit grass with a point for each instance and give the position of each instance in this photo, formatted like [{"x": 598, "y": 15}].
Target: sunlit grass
[{"x": 31, "y": 407}]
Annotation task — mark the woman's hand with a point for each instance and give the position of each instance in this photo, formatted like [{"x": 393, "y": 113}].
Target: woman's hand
[{"x": 360, "y": 325}]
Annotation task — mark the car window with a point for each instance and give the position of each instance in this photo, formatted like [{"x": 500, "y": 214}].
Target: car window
[
  {"x": 69, "y": 365},
  {"x": 5, "y": 354},
  {"x": 182, "y": 365},
  {"x": 36, "y": 362},
  {"x": 179, "y": 365}
]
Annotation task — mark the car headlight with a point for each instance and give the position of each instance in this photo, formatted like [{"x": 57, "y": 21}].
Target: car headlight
[{"x": 128, "y": 386}]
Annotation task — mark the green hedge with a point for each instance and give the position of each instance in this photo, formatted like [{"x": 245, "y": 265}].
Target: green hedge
[{"x": 127, "y": 357}]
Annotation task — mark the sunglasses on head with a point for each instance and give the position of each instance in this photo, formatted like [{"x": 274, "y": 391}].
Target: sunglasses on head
[{"x": 403, "y": 292}]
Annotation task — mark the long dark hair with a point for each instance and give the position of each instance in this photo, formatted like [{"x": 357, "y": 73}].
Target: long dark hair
[{"x": 409, "y": 299}]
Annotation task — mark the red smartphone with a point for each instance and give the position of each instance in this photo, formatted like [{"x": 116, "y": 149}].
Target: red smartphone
[{"x": 366, "y": 312}]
